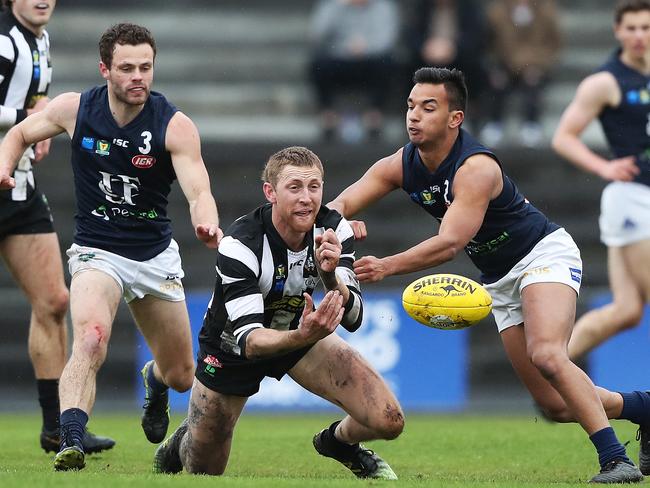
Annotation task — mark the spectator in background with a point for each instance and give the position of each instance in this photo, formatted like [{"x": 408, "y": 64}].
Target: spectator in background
[
  {"x": 450, "y": 34},
  {"x": 525, "y": 41},
  {"x": 353, "y": 43}
]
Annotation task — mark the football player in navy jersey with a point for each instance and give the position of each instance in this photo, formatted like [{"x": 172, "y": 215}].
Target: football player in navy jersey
[
  {"x": 28, "y": 243},
  {"x": 530, "y": 266},
  {"x": 618, "y": 94},
  {"x": 262, "y": 322},
  {"x": 128, "y": 145}
]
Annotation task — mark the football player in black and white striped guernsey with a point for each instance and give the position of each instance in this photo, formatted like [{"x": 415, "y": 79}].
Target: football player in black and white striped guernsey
[
  {"x": 28, "y": 244},
  {"x": 262, "y": 322}
]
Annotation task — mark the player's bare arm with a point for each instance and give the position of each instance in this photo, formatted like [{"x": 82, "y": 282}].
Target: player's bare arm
[
  {"x": 594, "y": 94},
  {"x": 477, "y": 182},
  {"x": 315, "y": 324},
  {"x": 57, "y": 117},
  {"x": 381, "y": 178},
  {"x": 183, "y": 143}
]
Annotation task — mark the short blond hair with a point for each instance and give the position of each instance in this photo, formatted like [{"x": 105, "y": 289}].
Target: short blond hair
[{"x": 290, "y": 156}]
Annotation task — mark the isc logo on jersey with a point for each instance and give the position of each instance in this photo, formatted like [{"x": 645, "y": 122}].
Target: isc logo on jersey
[
  {"x": 446, "y": 301},
  {"x": 143, "y": 161}
]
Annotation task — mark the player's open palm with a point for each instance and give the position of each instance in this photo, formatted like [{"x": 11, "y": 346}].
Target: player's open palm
[{"x": 321, "y": 322}]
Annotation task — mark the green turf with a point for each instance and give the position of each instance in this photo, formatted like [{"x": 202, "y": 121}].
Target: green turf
[{"x": 269, "y": 451}]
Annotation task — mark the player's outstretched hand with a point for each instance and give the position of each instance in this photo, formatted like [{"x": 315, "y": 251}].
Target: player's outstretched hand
[
  {"x": 6, "y": 182},
  {"x": 622, "y": 169},
  {"x": 370, "y": 269},
  {"x": 327, "y": 251},
  {"x": 209, "y": 234},
  {"x": 359, "y": 229},
  {"x": 319, "y": 323}
]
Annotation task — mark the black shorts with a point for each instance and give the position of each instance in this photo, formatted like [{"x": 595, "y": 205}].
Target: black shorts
[
  {"x": 33, "y": 216},
  {"x": 232, "y": 375}
]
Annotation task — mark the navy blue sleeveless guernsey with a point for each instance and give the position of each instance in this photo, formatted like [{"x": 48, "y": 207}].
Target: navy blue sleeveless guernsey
[
  {"x": 627, "y": 127},
  {"x": 511, "y": 227},
  {"x": 122, "y": 177}
]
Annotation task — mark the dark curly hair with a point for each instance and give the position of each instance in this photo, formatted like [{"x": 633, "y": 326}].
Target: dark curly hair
[{"x": 123, "y": 34}]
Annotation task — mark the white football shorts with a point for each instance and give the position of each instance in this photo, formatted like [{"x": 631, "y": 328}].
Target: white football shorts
[
  {"x": 159, "y": 276},
  {"x": 624, "y": 213},
  {"x": 554, "y": 259}
]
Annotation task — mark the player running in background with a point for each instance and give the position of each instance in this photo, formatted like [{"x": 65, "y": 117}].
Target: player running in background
[
  {"x": 618, "y": 95},
  {"x": 128, "y": 146},
  {"x": 28, "y": 244},
  {"x": 262, "y": 322},
  {"x": 530, "y": 266}
]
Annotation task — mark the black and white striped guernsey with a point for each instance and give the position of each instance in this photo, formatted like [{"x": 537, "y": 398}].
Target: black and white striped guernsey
[
  {"x": 260, "y": 281},
  {"x": 25, "y": 76}
]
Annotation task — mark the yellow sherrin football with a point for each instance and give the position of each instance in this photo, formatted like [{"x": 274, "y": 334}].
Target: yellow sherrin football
[{"x": 446, "y": 301}]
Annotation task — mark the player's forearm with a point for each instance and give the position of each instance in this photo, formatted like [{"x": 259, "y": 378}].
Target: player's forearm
[
  {"x": 12, "y": 148},
  {"x": 263, "y": 342},
  {"x": 427, "y": 254},
  {"x": 575, "y": 151},
  {"x": 203, "y": 209}
]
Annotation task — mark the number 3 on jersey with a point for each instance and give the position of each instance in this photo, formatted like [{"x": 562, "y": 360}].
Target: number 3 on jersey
[{"x": 147, "y": 142}]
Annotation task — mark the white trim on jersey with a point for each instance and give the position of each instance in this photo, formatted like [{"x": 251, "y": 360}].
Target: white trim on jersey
[
  {"x": 23, "y": 72},
  {"x": 234, "y": 249},
  {"x": 6, "y": 48},
  {"x": 225, "y": 279},
  {"x": 246, "y": 305},
  {"x": 238, "y": 333},
  {"x": 266, "y": 277},
  {"x": 43, "y": 45}
]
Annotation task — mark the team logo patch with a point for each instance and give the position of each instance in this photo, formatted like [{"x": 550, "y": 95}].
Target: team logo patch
[
  {"x": 88, "y": 143},
  {"x": 143, "y": 161},
  {"x": 576, "y": 274},
  {"x": 103, "y": 148}
]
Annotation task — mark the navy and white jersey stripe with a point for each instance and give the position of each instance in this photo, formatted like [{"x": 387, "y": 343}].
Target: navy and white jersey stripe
[
  {"x": 511, "y": 226},
  {"x": 25, "y": 76},
  {"x": 260, "y": 282}
]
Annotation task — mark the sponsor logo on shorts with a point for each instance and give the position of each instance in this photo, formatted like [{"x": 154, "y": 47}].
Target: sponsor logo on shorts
[
  {"x": 88, "y": 143},
  {"x": 629, "y": 224},
  {"x": 143, "y": 161},
  {"x": 211, "y": 365},
  {"x": 537, "y": 271},
  {"x": 576, "y": 274},
  {"x": 169, "y": 286},
  {"x": 86, "y": 256}
]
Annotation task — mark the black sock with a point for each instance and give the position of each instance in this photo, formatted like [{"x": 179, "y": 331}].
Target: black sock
[
  {"x": 73, "y": 427},
  {"x": 48, "y": 398},
  {"x": 340, "y": 448}
]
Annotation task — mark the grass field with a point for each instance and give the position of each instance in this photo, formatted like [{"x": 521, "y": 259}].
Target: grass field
[{"x": 269, "y": 451}]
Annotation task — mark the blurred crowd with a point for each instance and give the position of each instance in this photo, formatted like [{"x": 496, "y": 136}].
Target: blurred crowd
[{"x": 364, "y": 53}]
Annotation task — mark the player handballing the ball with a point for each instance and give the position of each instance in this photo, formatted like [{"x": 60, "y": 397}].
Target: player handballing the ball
[{"x": 530, "y": 266}]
